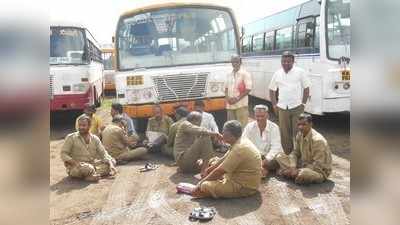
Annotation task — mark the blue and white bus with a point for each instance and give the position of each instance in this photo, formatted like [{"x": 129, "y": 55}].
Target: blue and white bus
[{"x": 318, "y": 32}]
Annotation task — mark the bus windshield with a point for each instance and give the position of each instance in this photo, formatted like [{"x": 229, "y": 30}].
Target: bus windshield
[
  {"x": 338, "y": 27},
  {"x": 67, "y": 45},
  {"x": 175, "y": 36}
]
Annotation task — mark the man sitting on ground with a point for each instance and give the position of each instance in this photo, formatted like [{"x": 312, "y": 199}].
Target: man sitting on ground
[
  {"x": 84, "y": 155},
  {"x": 207, "y": 119},
  {"x": 96, "y": 123},
  {"x": 311, "y": 159},
  {"x": 180, "y": 116},
  {"x": 117, "y": 142},
  {"x": 264, "y": 134},
  {"x": 193, "y": 143},
  {"x": 160, "y": 124},
  {"x": 237, "y": 173},
  {"x": 117, "y": 109}
]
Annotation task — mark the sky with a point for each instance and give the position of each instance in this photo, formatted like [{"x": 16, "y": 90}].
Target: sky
[{"x": 101, "y": 16}]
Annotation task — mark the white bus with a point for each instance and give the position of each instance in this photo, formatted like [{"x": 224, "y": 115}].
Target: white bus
[
  {"x": 173, "y": 54},
  {"x": 109, "y": 68},
  {"x": 76, "y": 68},
  {"x": 318, "y": 32}
]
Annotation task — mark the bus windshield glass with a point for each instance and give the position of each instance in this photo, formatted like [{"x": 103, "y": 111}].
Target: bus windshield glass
[
  {"x": 67, "y": 45},
  {"x": 175, "y": 36},
  {"x": 338, "y": 28}
]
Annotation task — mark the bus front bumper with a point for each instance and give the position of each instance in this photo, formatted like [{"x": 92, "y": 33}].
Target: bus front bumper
[
  {"x": 146, "y": 110},
  {"x": 69, "y": 102}
]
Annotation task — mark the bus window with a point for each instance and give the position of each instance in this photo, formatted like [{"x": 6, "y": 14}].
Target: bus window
[
  {"x": 269, "y": 41},
  {"x": 258, "y": 42},
  {"x": 246, "y": 46},
  {"x": 317, "y": 36},
  {"x": 284, "y": 38},
  {"x": 305, "y": 33}
]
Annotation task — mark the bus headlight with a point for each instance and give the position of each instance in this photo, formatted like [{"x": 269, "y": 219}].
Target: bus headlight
[
  {"x": 147, "y": 93},
  {"x": 346, "y": 86},
  {"x": 82, "y": 87},
  {"x": 215, "y": 86}
]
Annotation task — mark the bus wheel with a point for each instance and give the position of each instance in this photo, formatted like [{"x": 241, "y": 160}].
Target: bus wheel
[
  {"x": 220, "y": 118},
  {"x": 140, "y": 125}
]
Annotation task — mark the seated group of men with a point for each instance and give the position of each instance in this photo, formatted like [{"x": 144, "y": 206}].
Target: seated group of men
[{"x": 191, "y": 142}]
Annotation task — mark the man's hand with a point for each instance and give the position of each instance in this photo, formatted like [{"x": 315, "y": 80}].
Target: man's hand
[
  {"x": 232, "y": 101},
  {"x": 196, "y": 191},
  {"x": 216, "y": 135},
  {"x": 113, "y": 170},
  {"x": 290, "y": 173},
  {"x": 71, "y": 163}
]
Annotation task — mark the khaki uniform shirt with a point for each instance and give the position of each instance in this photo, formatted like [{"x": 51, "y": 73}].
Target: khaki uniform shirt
[
  {"x": 162, "y": 126},
  {"x": 115, "y": 140},
  {"x": 76, "y": 148},
  {"x": 242, "y": 164},
  {"x": 95, "y": 124},
  {"x": 312, "y": 151},
  {"x": 172, "y": 132},
  {"x": 232, "y": 84},
  {"x": 186, "y": 135}
]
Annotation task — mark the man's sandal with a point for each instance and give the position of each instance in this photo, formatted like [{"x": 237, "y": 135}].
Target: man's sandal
[
  {"x": 202, "y": 213},
  {"x": 148, "y": 167}
]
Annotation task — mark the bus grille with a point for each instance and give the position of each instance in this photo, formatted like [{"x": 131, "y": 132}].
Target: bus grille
[
  {"x": 51, "y": 86},
  {"x": 180, "y": 86}
]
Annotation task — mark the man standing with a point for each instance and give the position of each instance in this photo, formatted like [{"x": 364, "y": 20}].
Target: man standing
[
  {"x": 193, "y": 143},
  {"x": 264, "y": 134},
  {"x": 83, "y": 154},
  {"x": 117, "y": 142},
  {"x": 237, "y": 173},
  {"x": 237, "y": 88},
  {"x": 207, "y": 119},
  {"x": 117, "y": 109},
  {"x": 294, "y": 89},
  {"x": 311, "y": 160},
  {"x": 96, "y": 124}
]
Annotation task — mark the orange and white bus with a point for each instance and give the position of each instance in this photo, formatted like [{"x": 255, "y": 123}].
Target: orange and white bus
[
  {"x": 173, "y": 54},
  {"x": 108, "y": 56},
  {"x": 76, "y": 68}
]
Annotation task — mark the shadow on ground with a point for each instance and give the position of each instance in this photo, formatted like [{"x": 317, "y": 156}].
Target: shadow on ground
[{"x": 231, "y": 208}]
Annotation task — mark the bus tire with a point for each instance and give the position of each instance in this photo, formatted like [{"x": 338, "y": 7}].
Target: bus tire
[
  {"x": 140, "y": 125},
  {"x": 220, "y": 118}
]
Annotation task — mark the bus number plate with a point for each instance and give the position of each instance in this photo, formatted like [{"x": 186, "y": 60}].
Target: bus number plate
[
  {"x": 134, "y": 80},
  {"x": 346, "y": 75}
]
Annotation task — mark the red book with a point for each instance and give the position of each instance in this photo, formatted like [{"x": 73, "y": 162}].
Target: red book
[{"x": 241, "y": 87}]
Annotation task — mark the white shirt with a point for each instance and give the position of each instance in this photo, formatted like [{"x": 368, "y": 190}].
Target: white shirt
[
  {"x": 232, "y": 83},
  {"x": 290, "y": 86},
  {"x": 269, "y": 142},
  {"x": 208, "y": 121}
]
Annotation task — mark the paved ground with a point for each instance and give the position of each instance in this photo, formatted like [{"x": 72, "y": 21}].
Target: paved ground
[{"x": 150, "y": 198}]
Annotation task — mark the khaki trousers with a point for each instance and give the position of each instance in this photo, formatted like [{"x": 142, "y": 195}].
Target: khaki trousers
[
  {"x": 225, "y": 189},
  {"x": 200, "y": 149},
  {"x": 306, "y": 175},
  {"x": 288, "y": 126},
  {"x": 240, "y": 114},
  {"x": 84, "y": 169},
  {"x": 129, "y": 155}
]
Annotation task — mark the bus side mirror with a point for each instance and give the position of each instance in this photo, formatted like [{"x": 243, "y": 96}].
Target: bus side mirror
[{"x": 112, "y": 39}]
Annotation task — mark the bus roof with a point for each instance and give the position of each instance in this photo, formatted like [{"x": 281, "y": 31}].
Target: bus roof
[
  {"x": 171, "y": 5},
  {"x": 67, "y": 24},
  {"x": 284, "y": 18}
]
